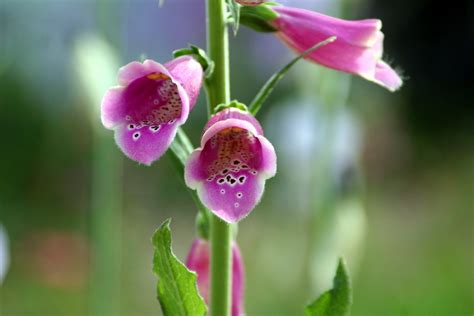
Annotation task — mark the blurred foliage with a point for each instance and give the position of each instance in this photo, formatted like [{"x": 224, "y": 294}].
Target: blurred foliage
[{"x": 418, "y": 162}]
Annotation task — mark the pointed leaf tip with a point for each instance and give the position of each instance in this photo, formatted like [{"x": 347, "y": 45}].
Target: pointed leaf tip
[
  {"x": 338, "y": 300},
  {"x": 177, "y": 287}
]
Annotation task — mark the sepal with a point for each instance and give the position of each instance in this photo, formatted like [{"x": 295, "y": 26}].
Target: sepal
[
  {"x": 232, "y": 104},
  {"x": 258, "y": 17}
]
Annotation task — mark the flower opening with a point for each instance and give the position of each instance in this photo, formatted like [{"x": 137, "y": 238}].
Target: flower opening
[
  {"x": 151, "y": 102},
  {"x": 230, "y": 168}
]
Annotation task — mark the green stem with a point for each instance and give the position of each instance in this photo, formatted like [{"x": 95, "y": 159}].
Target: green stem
[
  {"x": 219, "y": 92},
  {"x": 218, "y": 51}
]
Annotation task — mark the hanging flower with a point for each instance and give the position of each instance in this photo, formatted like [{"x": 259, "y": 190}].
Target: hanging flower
[
  {"x": 357, "y": 50},
  {"x": 198, "y": 261},
  {"x": 230, "y": 168},
  {"x": 152, "y": 101}
]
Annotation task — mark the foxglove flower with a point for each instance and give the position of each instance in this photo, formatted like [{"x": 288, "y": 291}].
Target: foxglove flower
[
  {"x": 230, "y": 168},
  {"x": 357, "y": 50},
  {"x": 152, "y": 101},
  {"x": 198, "y": 261}
]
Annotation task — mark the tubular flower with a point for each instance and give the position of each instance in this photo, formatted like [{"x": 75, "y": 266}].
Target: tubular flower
[
  {"x": 357, "y": 50},
  {"x": 198, "y": 261},
  {"x": 230, "y": 168},
  {"x": 152, "y": 101}
]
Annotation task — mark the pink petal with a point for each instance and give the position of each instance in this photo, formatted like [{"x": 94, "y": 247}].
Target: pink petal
[
  {"x": 135, "y": 70},
  {"x": 234, "y": 113},
  {"x": 195, "y": 172},
  {"x": 152, "y": 103},
  {"x": 113, "y": 108},
  {"x": 229, "y": 123},
  {"x": 145, "y": 114},
  {"x": 268, "y": 165},
  {"x": 238, "y": 276},
  {"x": 339, "y": 55},
  {"x": 152, "y": 99},
  {"x": 302, "y": 23},
  {"x": 145, "y": 144},
  {"x": 233, "y": 202},
  {"x": 198, "y": 260},
  {"x": 358, "y": 48},
  {"x": 387, "y": 77},
  {"x": 188, "y": 72}
]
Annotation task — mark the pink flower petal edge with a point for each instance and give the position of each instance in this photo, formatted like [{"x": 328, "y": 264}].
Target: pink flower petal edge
[
  {"x": 230, "y": 168},
  {"x": 357, "y": 50},
  {"x": 151, "y": 102},
  {"x": 198, "y": 260}
]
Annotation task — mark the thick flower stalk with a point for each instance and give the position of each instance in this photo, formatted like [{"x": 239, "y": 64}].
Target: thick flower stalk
[
  {"x": 357, "y": 50},
  {"x": 230, "y": 168},
  {"x": 198, "y": 261},
  {"x": 152, "y": 101}
]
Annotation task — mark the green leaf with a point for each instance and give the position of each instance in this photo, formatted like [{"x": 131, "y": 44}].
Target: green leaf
[
  {"x": 177, "y": 289},
  {"x": 338, "y": 300},
  {"x": 234, "y": 9},
  {"x": 268, "y": 87}
]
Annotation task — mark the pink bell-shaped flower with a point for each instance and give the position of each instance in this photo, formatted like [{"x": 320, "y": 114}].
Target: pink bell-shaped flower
[
  {"x": 230, "y": 168},
  {"x": 357, "y": 50},
  {"x": 152, "y": 101},
  {"x": 198, "y": 261}
]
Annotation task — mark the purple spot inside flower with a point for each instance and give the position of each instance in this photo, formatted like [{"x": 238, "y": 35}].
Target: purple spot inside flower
[
  {"x": 231, "y": 147},
  {"x": 152, "y": 100}
]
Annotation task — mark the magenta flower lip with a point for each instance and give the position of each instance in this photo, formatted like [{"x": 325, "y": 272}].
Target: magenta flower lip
[
  {"x": 357, "y": 50},
  {"x": 198, "y": 261},
  {"x": 152, "y": 101},
  {"x": 230, "y": 168}
]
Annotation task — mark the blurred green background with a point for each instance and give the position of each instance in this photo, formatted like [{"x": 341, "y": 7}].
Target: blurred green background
[{"x": 386, "y": 180}]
